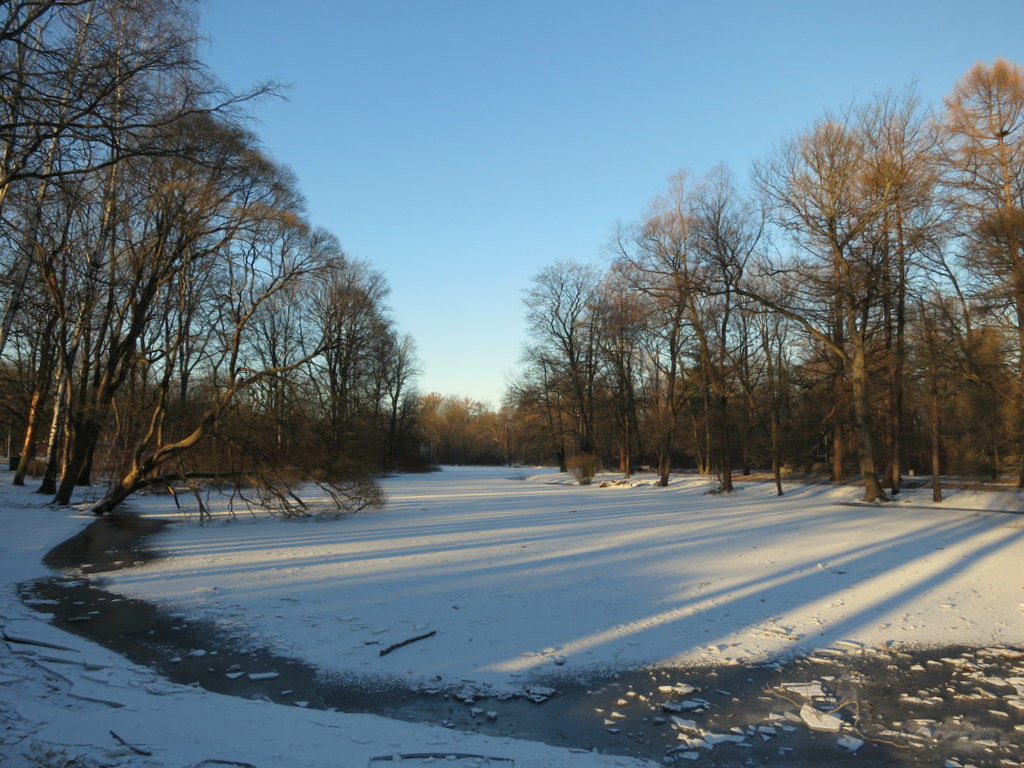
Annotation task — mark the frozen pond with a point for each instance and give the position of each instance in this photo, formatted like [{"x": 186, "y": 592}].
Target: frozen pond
[{"x": 896, "y": 708}]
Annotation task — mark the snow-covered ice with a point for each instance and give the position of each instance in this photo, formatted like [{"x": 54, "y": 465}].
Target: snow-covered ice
[
  {"x": 541, "y": 577},
  {"x": 524, "y": 577},
  {"x": 63, "y": 697}
]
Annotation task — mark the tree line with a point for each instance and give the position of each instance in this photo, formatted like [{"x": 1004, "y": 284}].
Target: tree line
[
  {"x": 860, "y": 310},
  {"x": 169, "y": 315}
]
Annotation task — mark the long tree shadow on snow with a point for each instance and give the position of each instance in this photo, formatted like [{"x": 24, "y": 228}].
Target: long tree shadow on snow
[{"x": 612, "y": 543}]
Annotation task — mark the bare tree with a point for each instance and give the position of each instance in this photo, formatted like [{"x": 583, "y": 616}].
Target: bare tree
[
  {"x": 660, "y": 253},
  {"x": 351, "y": 308},
  {"x": 728, "y": 232},
  {"x": 561, "y": 320},
  {"x": 86, "y": 85},
  {"x": 687, "y": 257},
  {"x": 259, "y": 268},
  {"x": 538, "y": 395},
  {"x": 622, "y": 324},
  {"x": 772, "y": 329},
  {"x": 822, "y": 195},
  {"x": 902, "y": 155},
  {"x": 984, "y": 121}
]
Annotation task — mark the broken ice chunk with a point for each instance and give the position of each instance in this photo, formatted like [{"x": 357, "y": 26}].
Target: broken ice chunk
[
  {"x": 820, "y": 721},
  {"x": 681, "y": 689},
  {"x": 687, "y": 726},
  {"x": 850, "y": 743},
  {"x": 722, "y": 738},
  {"x": 538, "y": 694},
  {"x": 694, "y": 704},
  {"x": 811, "y": 690},
  {"x": 263, "y": 675}
]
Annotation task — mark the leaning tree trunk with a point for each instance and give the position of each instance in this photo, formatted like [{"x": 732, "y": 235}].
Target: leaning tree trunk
[{"x": 34, "y": 412}]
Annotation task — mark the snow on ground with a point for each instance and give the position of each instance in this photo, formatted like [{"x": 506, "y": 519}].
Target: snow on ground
[
  {"x": 83, "y": 704},
  {"x": 535, "y": 576},
  {"x": 521, "y": 575}
]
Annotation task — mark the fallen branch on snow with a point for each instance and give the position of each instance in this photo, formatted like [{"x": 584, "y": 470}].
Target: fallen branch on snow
[
  {"x": 396, "y": 646},
  {"x": 133, "y": 748},
  {"x": 439, "y": 756}
]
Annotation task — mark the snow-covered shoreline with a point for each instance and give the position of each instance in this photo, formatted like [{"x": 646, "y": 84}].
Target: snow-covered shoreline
[{"x": 521, "y": 575}]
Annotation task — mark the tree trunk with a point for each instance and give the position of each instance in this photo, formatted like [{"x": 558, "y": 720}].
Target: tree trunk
[
  {"x": 934, "y": 428},
  {"x": 838, "y": 450},
  {"x": 84, "y": 476},
  {"x": 664, "y": 467},
  {"x": 862, "y": 413},
  {"x": 724, "y": 444},
  {"x": 48, "y": 483},
  {"x": 114, "y": 497},
  {"x": 776, "y": 468},
  {"x": 665, "y": 449},
  {"x": 85, "y": 437},
  {"x": 1019, "y": 393},
  {"x": 839, "y": 407},
  {"x": 838, "y": 422},
  {"x": 898, "y": 359},
  {"x": 709, "y": 444},
  {"x": 27, "y": 445},
  {"x": 699, "y": 446},
  {"x": 44, "y": 379},
  {"x": 668, "y": 437}
]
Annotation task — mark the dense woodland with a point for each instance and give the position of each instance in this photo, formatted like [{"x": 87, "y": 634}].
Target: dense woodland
[
  {"x": 856, "y": 309},
  {"x": 170, "y": 317}
]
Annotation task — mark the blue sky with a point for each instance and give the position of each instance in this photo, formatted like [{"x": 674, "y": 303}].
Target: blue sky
[{"x": 460, "y": 146}]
